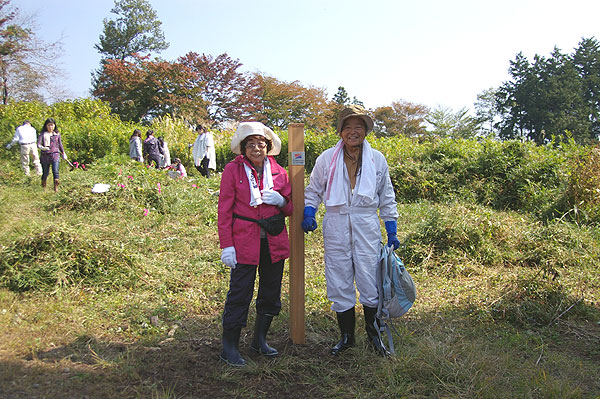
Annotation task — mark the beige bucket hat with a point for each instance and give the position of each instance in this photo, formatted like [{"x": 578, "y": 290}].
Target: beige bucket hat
[
  {"x": 246, "y": 129},
  {"x": 354, "y": 110}
]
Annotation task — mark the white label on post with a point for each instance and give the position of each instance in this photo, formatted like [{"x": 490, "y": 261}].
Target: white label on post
[{"x": 297, "y": 158}]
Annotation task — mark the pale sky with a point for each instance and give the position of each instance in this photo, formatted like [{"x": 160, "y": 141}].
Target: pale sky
[{"x": 430, "y": 52}]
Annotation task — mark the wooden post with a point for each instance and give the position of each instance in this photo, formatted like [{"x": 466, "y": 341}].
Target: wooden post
[{"x": 296, "y": 159}]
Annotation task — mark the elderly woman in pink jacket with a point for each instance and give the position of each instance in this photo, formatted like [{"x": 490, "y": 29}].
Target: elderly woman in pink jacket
[{"x": 254, "y": 199}]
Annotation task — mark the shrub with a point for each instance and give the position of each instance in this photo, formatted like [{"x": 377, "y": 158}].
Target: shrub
[
  {"x": 550, "y": 181},
  {"x": 583, "y": 191},
  {"x": 449, "y": 234}
]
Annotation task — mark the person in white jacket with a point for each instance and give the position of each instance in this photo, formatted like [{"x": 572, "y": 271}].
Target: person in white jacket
[
  {"x": 26, "y": 136},
  {"x": 165, "y": 156},
  {"x": 203, "y": 152},
  {"x": 353, "y": 182}
]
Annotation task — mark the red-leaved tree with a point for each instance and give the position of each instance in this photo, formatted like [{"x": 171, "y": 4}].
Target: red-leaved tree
[
  {"x": 143, "y": 89},
  {"x": 229, "y": 93}
]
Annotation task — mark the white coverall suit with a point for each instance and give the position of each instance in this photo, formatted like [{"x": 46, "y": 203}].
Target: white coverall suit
[{"x": 352, "y": 232}]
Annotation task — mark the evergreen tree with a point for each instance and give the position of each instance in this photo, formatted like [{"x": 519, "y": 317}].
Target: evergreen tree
[
  {"x": 586, "y": 60},
  {"x": 135, "y": 30},
  {"x": 341, "y": 97},
  {"x": 557, "y": 96}
]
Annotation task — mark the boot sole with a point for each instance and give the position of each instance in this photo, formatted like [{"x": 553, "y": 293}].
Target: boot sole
[
  {"x": 344, "y": 348},
  {"x": 272, "y": 354},
  {"x": 232, "y": 364}
]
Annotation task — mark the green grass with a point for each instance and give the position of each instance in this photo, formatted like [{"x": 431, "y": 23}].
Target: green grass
[{"x": 98, "y": 300}]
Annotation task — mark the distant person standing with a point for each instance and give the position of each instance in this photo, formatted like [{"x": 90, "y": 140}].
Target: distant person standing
[
  {"x": 165, "y": 158},
  {"x": 26, "y": 136},
  {"x": 51, "y": 146},
  {"x": 204, "y": 152},
  {"x": 152, "y": 149},
  {"x": 135, "y": 146}
]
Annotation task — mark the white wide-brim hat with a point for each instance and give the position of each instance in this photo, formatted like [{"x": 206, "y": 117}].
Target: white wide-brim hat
[{"x": 246, "y": 129}]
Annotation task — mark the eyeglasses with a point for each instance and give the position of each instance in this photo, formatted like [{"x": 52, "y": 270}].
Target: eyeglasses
[{"x": 260, "y": 145}]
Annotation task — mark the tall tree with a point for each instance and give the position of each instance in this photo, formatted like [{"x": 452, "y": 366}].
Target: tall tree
[
  {"x": 564, "y": 100},
  {"x": 401, "y": 118},
  {"x": 587, "y": 61},
  {"x": 552, "y": 97},
  {"x": 284, "y": 103},
  {"x": 485, "y": 110},
  {"x": 229, "y": 94},
  {"x": 339, "y": 101},
  {"x": 341, "y": 97},
  {"x": 28, "y": 65},
  {"x": 136, "y": 29},
  {"x": 447, "y": 123},
  {"x": 195, "y": 87},
  {"x": 511, "y": 98},
  {"x": 141, "y": 89}
]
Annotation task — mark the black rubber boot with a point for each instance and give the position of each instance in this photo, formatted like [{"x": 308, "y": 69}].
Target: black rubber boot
[
  {"x": 259, "y": 342},
  {"x": 346, "y": 321},
  {"x": 231, "y": 354},
  {"x": 374, "y": 340}
]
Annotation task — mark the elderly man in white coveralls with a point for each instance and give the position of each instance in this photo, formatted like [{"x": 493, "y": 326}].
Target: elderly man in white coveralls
[
  {"x": 26, "y": 136},
  {"x": 353, "y": 182}
]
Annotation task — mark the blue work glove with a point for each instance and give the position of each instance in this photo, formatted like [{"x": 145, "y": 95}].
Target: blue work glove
[
  {"x": 309, "y": 223},
  {"x": 391, "y": 229}
]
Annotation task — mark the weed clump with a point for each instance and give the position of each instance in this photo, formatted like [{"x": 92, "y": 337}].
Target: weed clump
[
  {"x": 59, "y": 257},
  {"x": 536, "y": 302},
  {"x": 583, "y": 192},
  {"x": 454, "y": 234}
]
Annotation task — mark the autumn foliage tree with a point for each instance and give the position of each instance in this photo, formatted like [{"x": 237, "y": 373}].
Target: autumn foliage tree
[
  {"x": 28, "y": 65},
  {"x": 228, "y": 93},
  {"x": 401, "y": 118},
  {"x": 142, "y": 89},
  {"x": 195, "y": 87},
  {"x": 284, "y": 103}
]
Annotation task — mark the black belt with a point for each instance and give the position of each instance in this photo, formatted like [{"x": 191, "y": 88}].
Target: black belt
[{"x": 28, "y": 143}]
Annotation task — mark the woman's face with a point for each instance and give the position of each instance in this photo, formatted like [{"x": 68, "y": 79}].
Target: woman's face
[
  {"x": 50, "y": 127},
  {"x": 256, "y": 150},
  {"x": 353, "y": 132}
]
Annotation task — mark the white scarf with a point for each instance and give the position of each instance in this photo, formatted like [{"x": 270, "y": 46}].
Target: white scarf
[
  {"x": 46, "y": 138},
  {"x": 365, "y": 184},
  {"x": 267, "y": 181}
]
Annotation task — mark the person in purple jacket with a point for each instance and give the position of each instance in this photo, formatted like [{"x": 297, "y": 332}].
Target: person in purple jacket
[
  {"x": 152, "y": 149},
  {"x": 51, "y": 147}
]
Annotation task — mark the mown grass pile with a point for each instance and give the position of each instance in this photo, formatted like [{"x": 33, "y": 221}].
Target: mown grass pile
[{"x": 58, "y": 257}]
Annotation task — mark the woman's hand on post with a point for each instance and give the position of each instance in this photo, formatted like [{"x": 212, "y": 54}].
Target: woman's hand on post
[{"x": 228, "y": 257}]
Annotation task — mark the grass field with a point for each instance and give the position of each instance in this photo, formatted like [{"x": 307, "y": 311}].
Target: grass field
[{"x": 120, "y": 295}]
